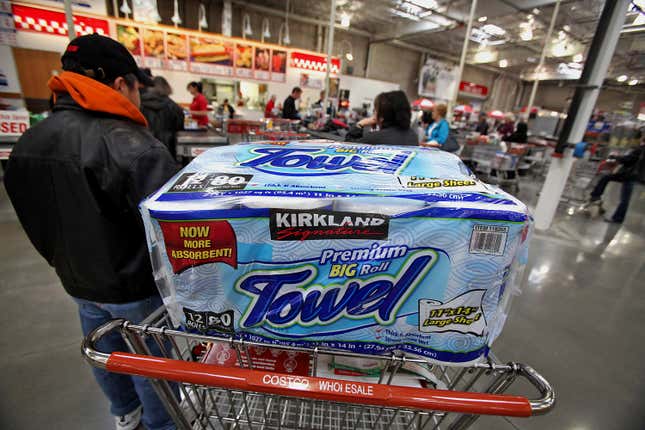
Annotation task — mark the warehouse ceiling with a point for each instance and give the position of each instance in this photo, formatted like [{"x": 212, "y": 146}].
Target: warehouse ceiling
[{"x": 507, "y": 34}]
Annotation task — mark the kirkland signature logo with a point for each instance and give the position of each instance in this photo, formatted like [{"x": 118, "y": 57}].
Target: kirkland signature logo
[
  {"x": 321, "y": 225},
  {"x": 317, "y": 162}
]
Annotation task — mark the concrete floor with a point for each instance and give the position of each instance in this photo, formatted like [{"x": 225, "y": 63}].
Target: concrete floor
[{"x": 578, "y": 321}]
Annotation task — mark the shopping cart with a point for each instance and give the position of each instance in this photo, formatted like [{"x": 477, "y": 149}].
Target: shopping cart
[
  {"x": 278, "y": 136},
  {"x": 582, "y": 178},
  {"x": 240, "y": 130},
  {"x": 247, "y": 397}
]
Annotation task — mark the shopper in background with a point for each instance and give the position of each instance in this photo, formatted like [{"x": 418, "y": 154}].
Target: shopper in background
[
  {"x": 268, "y": 109},
  {"x": 482, "y": 125},
  {"x": 392, "y": 115},
  {"x": 440, "y": 129},
  {"x": 199, "y": 104},
  {"x": 75, "y": 181},
  {"x": 227, "y": 109},
  {"x": 330, "y": 105},
  {"x": 426, "y": 125},
  {"x": 289, "y": 110},
  {"x": 520, "y": 135},
  {"x": 631, "y": 169},
  {"x": 165, "y": 118},
  {"x": 506, "y": 128}
]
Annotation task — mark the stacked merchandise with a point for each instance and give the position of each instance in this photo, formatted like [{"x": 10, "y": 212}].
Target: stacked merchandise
[{"x": 367, "y": 249}]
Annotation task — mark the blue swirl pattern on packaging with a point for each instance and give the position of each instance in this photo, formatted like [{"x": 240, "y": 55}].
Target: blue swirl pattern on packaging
[{"x": 369, "y": 249}]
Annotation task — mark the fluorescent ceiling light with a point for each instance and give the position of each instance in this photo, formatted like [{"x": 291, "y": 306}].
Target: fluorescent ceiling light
[
  {"x": 440, "y": 20},
  {"x": 503, "y": 63},
  {"x": 428, "y": 4},
  {"x": 526, "y": 31},
  {"x": 493, "y": 30},
  {"x": 482, "y": 18},
  {"x": 621, "y": 78},
  {"x": 403, "y": 14},
  {"x": 345, "y": 19},
  {"x": 632, "y": 82},
  {"x": 485, "y": 56}
]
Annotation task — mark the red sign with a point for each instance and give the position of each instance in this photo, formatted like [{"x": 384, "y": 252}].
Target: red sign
[
  {"x": 51, "y": 22},
  {"x": 473, "y": 89},
  {"x": 313, "y": 62},
  {"x": 193, "y": 243},
  {"x": 13, "y": 123}
]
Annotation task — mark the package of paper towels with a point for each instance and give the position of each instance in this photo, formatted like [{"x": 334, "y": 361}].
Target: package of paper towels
[{"x": 370, "y": 249}]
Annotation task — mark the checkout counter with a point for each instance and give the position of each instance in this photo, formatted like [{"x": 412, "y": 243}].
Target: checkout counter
[{"x": 191, "y": 143}]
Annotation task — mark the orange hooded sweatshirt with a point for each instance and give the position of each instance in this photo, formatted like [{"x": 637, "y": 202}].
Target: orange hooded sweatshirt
[{"x": 95, "y": 96}]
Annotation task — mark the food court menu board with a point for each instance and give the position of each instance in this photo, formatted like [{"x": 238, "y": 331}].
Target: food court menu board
[
  {"x": 262, "y": 63},
  {"x": 278, "y": 65},
  {"x": 158, "y": 48},
  {"x": 243, "y": 60},
  {"x": 212, "y": 56},
  {"x": 130, "y": 37},
  {"x": 153, "y": 49},
  {"x": 176, "y": 52}
]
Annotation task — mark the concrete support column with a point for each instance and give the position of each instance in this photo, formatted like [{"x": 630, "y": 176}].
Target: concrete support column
[{"x": 584, "y": 100}]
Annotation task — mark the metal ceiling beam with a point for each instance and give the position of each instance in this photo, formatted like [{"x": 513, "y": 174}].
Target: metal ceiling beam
[
  {"x": 269, "y": 11},
  {"x": 421, "y": 27},
  {"x": 449, "y": 57}
]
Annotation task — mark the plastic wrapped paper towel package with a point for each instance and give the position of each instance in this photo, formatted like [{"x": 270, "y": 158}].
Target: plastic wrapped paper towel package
[{"x": 369, "y": 249}]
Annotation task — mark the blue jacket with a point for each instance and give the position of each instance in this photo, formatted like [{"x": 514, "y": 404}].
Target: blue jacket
[{"x": 439, "y": 132}]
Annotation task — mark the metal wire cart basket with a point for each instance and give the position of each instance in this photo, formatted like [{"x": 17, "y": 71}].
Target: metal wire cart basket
[{"x": 239, "y": 393}]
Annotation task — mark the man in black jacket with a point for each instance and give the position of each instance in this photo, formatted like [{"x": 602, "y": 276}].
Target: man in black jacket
[
  {"x": 289, "y": 110},
  {"x": 630, "y": 170},
  {"x": 165, "y": 118},
  {"x": 75, "y": 181}
]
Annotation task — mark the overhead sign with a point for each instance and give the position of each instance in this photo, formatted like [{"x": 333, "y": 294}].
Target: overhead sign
[
  {"x": 53, "y": 22},
  {"x": 472, "y": 89},
  {"x": 7, "y": 28},
  {"x": 95, "y": 7},
  {"x": 438, "y": 80},
  {"x": 316, "y": 63},
  {"x": 13, "y": 123}
]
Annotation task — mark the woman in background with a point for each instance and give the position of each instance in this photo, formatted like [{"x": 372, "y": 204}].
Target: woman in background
[
  {"x": 426, "y": 125},
  {"x": 268, "y": 110},
  {"x": 439, "y": 130},
  {"x": 392, "y": 115},
  {"x": 199, "y": 104},
  {"x": 520, "y": 135},
  {"x": 507, "y": 127},
  {"x": 482, "y": 125},
  {"x": 227, "y": 109}
]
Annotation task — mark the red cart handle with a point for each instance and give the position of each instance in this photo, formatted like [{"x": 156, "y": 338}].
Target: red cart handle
[
  {"x": 235, "y": 378},
  {"x": 335, "y": 390}
]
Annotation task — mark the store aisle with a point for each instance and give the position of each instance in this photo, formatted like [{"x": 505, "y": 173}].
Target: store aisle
[{"x": 578, "y": 321}]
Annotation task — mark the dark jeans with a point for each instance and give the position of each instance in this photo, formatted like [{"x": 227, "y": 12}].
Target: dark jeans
[
  {"x": 126, "y": 393},
  {"x": 625, "y": 194}
]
